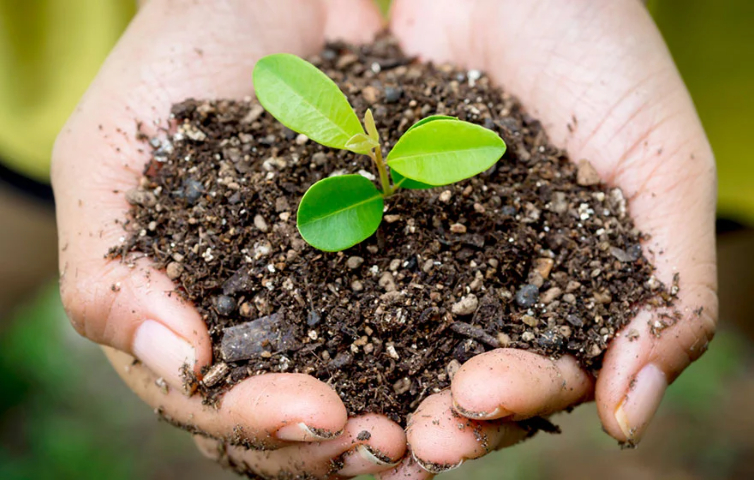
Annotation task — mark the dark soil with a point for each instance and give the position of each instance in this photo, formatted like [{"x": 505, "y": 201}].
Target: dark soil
[{"x": 533, "y": 254}]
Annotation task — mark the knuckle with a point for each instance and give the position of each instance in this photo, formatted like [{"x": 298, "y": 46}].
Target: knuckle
[{"x": 88, "y": 306}]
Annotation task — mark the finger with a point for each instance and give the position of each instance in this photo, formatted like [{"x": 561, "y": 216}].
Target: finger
[
  {"x": 517, "y": 384},
  {"x": 441, "y": 440},
  {"x": 369, "y": 444},
  {"x": 635, "y": 121},
  {"x": 408, "y": 469},
  {"x": 356, "y": 21},
  {"x": 263, "y": 412},
  {"x": 170, "y": 52},
  {"x": 645, "y": 359}
]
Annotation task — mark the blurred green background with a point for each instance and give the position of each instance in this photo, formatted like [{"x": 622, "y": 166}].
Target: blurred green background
[{"x": 64, "y": 413}]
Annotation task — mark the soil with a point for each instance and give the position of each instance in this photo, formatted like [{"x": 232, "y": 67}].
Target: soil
[{"x": 533, "y": 254}]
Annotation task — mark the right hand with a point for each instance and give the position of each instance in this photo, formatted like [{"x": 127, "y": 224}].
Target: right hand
[{"x": 171, "y": 51}]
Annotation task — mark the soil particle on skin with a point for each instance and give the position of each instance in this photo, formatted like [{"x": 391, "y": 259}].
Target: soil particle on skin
[{"x": 533, "y": 254}]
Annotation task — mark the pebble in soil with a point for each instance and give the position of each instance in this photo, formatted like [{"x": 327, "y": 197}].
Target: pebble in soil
[{"x": 534, "y": 253}]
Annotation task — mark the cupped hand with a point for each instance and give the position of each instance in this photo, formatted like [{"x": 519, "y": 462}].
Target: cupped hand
[
  {"x": 602, "y": 68},
  {"x": 174, "y": 50}
]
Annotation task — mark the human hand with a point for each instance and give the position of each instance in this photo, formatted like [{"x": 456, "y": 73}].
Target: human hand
[
  {"x": 174, "y": 50},
  {"x": 603, "y": 69}
]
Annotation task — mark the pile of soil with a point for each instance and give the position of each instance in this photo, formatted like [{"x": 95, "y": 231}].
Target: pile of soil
[{"x": 534, "y": 254}]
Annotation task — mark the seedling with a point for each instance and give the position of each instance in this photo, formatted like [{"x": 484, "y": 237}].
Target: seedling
[{"x": 338, "y": 212}]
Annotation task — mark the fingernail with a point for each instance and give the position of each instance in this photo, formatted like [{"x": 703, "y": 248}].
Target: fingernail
[
  {"x": 640, "y": 404},
  {"x": 163, "y": 352},
  {"x": 499, "y": 412},
  {"x": 300, "y": 432},
  {"x": 436, "y": 468},
  {"x": 364, "y": 460}
]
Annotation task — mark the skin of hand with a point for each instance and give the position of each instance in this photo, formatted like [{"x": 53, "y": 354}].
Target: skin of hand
[
  {"x": 602, "y": 63},
  {"x": 602, "y": 67},
  {"x": 174, "y": 50}
]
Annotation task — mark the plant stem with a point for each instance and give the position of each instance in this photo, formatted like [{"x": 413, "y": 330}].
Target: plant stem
[{"x": 387, "y": 188}]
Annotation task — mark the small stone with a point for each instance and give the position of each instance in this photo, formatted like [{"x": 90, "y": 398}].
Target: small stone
[
  {"x": 342, "y": 359},
  {"x": 225, "y": 304},
  {"x": 558, "y": 202},
  {"x": 530, "y": 321},
  {"x": 550, "y": 340},
  {"x": 575, "y": 320},
  {"x": 174, "y": 270},
  {"x": 392, "y": 218},
  {"x": 246, "y": 309},
  {"x": 313, "y": 318},
  {"x": 623, "y": 256},
  {"x": 346, "y": 60},
  {"x": 535, "y": 279},
  {"x": 527, "y": 296},
  {"x": 301, "y": 139},
  {"x": 368, "y": 348},
  {"x": 319, "y": 158},
  {"x": 572, "y": 286},
  {"x": 354, "y": 262},
  {"x": 387, "y": 282},
  {"x": 141, "y": 197},
  {"x": 427, "y": 266},
  {"x": 445, "y": 196},
  {"x": 527, "y": 336},
  {"x": 466, "y": 306},
  {"x": 261, "y": 224},
  {"x": 458, "y": 228},
  {"x": 393, "y": 94},
  {"x": 402, "y": 386},
  {"x": 452, "y": 368},
  {"x": 594, "y": 350},
  {"x": 586, "y": 175},
  {"x": 543, "y": 266},
  {"x": 618, "y": 201},
  {"x": 195, "y": 134},
  {"x": 392, "y": 353},
  {"x": 565, "y": 330},
  {"x": 550, "y": 295},
  {"x": 370, "y": 94},
  {"x": 215, "y": 374},
  {"x": 503, "y": 339},
  {"x": 357, "y": 286},
  {"x": 569, "y": 298},
  {"x": 603, "y": 297},
  {"x": 395, "y": 264},
  {"x": 252, "y": 339},
  {"x": 254, "y": 113}
]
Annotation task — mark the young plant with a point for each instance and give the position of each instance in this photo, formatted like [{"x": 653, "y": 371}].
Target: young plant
[{"x": 339, "y": 212}]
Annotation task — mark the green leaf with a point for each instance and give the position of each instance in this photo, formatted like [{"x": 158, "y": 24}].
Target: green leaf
[
  {"x": 338, "y": 212},
  {"x": 431, "y": 118},
  {"x": 445, "y": 151},
  {"x": 305, "y": 100},
  {"x": 402, "y": 182},
  {"x": 360, "y": 143}
]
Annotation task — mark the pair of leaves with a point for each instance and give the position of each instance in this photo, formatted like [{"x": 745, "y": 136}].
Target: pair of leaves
[{"x": 339, "y": 212}]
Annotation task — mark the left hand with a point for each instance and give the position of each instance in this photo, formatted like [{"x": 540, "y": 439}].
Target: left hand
[{"x": 605, "y": 64}]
